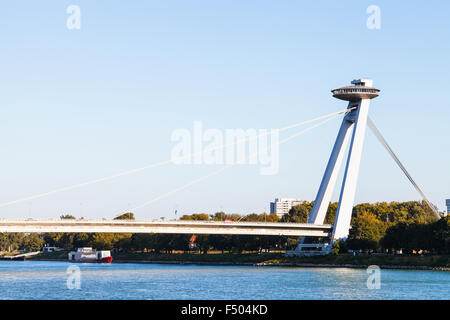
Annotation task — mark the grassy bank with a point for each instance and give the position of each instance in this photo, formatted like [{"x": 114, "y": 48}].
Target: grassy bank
[
  {"x": 231, "y": 258},
  {"x": 344, "y": 260},
  {"x": 57, "y": 256},
  {"x": 442, "y": 261}
]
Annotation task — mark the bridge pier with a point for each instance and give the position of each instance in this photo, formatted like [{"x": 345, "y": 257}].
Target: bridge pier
[{"x": 354, "y": 124}]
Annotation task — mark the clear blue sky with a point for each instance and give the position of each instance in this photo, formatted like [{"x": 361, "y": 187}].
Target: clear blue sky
[{"x": 81, "y": 104}]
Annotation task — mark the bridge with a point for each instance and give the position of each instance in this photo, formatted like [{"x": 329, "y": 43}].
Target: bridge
[
  {"x": 174, "y": 227},
  {"x": 352, "y": 133}
]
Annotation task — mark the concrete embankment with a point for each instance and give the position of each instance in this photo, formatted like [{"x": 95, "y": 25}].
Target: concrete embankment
[{"x": 22, "y": 256}]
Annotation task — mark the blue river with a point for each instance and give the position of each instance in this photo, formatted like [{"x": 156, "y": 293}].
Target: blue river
[{"x": 63, "y": 280}]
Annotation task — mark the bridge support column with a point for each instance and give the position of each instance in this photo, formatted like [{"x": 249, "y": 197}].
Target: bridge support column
[
  {"x": 348, "y": 190},
  {"x": 326, "y": 188},
  {"x": 354, "y": 125}
]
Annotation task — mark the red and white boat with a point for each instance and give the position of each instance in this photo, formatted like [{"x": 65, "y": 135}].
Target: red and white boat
[{"x": 89, "y": 255}]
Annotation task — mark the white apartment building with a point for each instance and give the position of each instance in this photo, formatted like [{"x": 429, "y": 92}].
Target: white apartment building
[{"x": 282, "y": 206}]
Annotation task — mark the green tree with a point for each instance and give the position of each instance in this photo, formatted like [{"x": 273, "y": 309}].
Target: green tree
[
  {"x": 196, "y": 216},
  {"x": 221, "y": 242},
  {"x": 263, "y": 217},
  {"x": 67, "y": 216},
  {"x": 298, "y": 213},
  {"x": 219, "y": 216},
  {"x": 51, "y": 238},
  {"x": 203, "y": 243},
  {"x": 107, "y": 241},
  {"x": 125, "y": 216},
  {"x": 33, "y": 242},
  {"x": 11, "y": 241},
  {"x": 81, "y": 240},
  {"x": 441, "y": 235},
  {"x": 143, "y": 241},
  {"x": 366, "y": 231},
  {"x": 66, "y": 241}
]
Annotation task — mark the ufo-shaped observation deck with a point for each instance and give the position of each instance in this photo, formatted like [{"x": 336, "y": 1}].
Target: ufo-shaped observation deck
[{"x": 356, "y": 92}]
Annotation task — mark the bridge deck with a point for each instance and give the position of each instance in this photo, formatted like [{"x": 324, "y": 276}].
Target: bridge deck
[{"x": 175, "y": 227}]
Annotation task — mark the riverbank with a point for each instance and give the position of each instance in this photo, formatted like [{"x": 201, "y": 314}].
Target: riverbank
[{"x": 413, "y": 262}]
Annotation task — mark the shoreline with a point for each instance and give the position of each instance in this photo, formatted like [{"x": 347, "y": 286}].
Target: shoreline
[
  {"x": 265, "y": 264},
  {"x": 284, "y": 264}
]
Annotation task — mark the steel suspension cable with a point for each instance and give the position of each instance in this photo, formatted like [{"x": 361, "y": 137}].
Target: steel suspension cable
[
  {"x": 402, "y": 167},
  {"x": 195, "y": 181},
  {"x": 161, "y": 163}
]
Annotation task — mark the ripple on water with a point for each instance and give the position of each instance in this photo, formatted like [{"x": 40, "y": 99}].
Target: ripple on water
[{"x": 48, "y": 280}]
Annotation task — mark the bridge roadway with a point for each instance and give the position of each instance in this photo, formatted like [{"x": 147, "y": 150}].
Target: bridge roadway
[{"x": 160, "y": 226}]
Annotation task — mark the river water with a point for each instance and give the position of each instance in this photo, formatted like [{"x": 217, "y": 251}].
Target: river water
[{"x": 53, "y": 280}]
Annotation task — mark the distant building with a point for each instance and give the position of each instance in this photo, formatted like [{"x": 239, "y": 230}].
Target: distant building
[
  {"x": 447, "y": 202},
  {"x": 281, "y": 206}
]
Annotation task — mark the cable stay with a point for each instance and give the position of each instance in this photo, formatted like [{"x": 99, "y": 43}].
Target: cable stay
[
  {"x": 166, "y": 162},
  {"x": 380, "y": 138},
  {"x": 195, "y": 181}
]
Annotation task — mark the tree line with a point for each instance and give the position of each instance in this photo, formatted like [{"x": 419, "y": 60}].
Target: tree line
[{"x": 409, "y": 226}]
